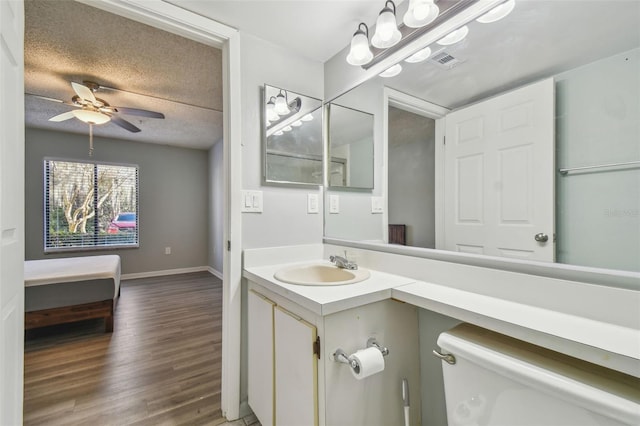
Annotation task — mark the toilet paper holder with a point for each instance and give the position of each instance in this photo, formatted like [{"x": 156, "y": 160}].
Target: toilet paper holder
[{"x": 341, "y": 356}]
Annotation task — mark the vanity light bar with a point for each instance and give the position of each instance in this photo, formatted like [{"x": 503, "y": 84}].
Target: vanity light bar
[{"x": 410, "y": 34}]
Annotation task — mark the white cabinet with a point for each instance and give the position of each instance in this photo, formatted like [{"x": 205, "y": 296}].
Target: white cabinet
[
  {"x": 296, "y": 370},
  {"x": 282, "y": 365},
  {"x": 260, "y": 357}
]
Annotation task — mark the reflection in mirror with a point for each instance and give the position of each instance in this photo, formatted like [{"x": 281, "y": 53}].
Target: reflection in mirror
[
  {"x": 350, "y": 147},
  {"x": 292, "y": 137},
  {"x": 593, "y": 59}
]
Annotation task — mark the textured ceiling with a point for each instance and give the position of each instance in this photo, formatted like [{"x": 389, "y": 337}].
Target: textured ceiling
[{"x": 67, "y": 41}]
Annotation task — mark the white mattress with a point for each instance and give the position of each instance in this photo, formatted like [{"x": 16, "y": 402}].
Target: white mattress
[{"x": 72, "y": 269}]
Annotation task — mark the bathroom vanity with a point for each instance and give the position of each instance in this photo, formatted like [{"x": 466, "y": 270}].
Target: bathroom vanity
[
  {"x": 574, "y": 322},
  {"x": 293, "y": 332}
]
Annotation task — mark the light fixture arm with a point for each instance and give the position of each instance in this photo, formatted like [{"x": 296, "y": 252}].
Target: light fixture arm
[
  {"x": 359, "y": 30},
  {"x": 386, "y": 7}
]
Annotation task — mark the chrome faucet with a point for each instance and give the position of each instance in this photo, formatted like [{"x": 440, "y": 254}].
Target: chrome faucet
[{"x": 342, "y": 262}]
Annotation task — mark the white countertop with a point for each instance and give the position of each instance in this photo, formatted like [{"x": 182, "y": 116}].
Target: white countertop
[
  {"x": 325, "y": 300},
  {"x": 595, "y": 323}
]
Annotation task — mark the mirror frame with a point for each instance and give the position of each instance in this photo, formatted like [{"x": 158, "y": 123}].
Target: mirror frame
[{"x": 264, "y": 142}]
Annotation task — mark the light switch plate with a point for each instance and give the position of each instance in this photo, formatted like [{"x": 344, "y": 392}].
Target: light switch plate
[
  {"x": 334, "y": 204},
  {"x": 376, "y": 205},
  {"x": 312, "y": 204},
  {"x": 251, "y": 202}
]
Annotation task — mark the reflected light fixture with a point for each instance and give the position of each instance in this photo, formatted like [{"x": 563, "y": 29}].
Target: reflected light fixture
[
  {"x": 281, "y": 107},
  {"x": 420, "y": 13},
  {"x": 307, "y": 117},
  {"x": 279, "y": 133},
  {"x": 387, "y": 33},
  {"x": 297, "y": 123},
  {"x": 419, "y": 56},
  {"x": 498, "y": 12},
  {"x": 392, "y": 71},
  {"x": 272, "y": 115},
  {"x": 454, "y": 36},
  {"x": 287, "y": 129},
  {"x": 360, "y": 53}
]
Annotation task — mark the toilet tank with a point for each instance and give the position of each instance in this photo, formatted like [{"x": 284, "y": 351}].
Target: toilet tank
[{"x": 497, "y": 380}]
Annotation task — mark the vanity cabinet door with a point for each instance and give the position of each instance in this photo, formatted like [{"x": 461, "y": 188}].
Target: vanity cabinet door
[
  {"x": 260, "y": 357},
  {"x": 296, "y": 370}
]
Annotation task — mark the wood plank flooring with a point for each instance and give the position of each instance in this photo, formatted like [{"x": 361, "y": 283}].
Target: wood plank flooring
[{"x": 161, "y": 365}]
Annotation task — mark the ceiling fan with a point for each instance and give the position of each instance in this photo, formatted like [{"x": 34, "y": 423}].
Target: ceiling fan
[{"x": 93, "y": 110}]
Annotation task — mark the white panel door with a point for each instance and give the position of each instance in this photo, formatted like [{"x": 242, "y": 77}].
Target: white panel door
[
  {"x": 296, "y": 371},
  {"x": 499, "y": 175},
  {"x": 260, "y": 357},
  {"x": 11, "y": 211}
]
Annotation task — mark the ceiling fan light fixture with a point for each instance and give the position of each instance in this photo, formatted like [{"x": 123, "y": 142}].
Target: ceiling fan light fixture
[
  {"x": 498, "y": 12},
  {"x": 420, "y": 13},
  {"x": 387, "y": 33},
  {"x": 419, "y": 56},
  {"x": 281, "y": 107},
  {"x": 454, "y": 36},
  {"x": 91, "y": 117},
  {"x": 359, "y": 52},
  {"x": 392, "y": 71}
]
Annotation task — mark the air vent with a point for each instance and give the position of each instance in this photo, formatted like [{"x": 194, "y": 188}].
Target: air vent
[{"x": 445, "y": 60}]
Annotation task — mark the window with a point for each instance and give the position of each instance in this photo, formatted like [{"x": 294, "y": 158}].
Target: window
[{"x": 90, "y": 205}]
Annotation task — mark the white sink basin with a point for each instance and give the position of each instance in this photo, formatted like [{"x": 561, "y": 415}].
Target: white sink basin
[{"x": 318, "y": 274}]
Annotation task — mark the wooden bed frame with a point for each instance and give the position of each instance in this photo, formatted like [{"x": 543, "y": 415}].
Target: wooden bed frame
[{"x": 65, "y": 314}]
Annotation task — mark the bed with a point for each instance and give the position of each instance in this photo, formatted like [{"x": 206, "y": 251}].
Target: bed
[{"x": 71, "y": 289}]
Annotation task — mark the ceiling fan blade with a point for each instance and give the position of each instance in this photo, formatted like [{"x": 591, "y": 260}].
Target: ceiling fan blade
[
  {"x": 46, "y": 98},
  {"x": 139, "y": 112},
  {"x": 123, "y": 123},
  {"x": 62, "y": 117},
  {"x": 84, "y": 92}
]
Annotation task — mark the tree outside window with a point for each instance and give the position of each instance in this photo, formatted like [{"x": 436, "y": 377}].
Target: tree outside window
[{"x": 90, "y": 205}]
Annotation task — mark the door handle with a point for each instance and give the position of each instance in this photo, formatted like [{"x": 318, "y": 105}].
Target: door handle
[{"x": 541, "y": 237}]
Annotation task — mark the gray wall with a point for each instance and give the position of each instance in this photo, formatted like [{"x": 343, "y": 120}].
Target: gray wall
[
  {"x": 173, "y": 197},
  {"x": 216, "y": 207},
  {"x": 411, "y": 176},
  {"x": 598, "y": 213}
]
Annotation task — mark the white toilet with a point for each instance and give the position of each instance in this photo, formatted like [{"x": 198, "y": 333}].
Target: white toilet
[{"x": 497, "y": 380}]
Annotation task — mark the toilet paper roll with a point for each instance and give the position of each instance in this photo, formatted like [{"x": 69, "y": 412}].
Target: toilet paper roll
[{"x": 370, "y": 361}]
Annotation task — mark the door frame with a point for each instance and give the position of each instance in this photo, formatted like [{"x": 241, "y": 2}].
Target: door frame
[
  {"x": 177, "y": 20},
  {"x": 397, "y": 99}
]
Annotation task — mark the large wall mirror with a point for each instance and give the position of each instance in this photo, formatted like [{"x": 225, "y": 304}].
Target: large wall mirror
[
  {"x": 293, "y": 144},
  {"x": 567, "y": 70}
]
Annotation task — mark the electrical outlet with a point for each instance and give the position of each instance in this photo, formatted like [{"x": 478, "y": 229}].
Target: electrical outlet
[
  {"x": 167, "y": 250},
  {"x": 334, "y": 204},
  {"x": 312, "y": 203}
]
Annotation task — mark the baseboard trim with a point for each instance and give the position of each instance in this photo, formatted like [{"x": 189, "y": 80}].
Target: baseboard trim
[
  {"x": 214, "y": 272},
  {"x": 152, "y": 274}
]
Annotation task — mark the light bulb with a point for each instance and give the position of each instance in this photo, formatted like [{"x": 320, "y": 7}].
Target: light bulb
[
  {"x": 387, "y": 33},
  {"x": 498, "y": 12},
  {"x": 281, "y": 106},
  {"x": 272, "y": 115},
  {"x": 419, "y": 56},
  {"x": 454, "y": 36},
  {"x": 420, "y": 13},
  {"x": 392, "y": 71},
  {"x": 360, "y": 53},
  {"x": 90, "y": 117}
]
